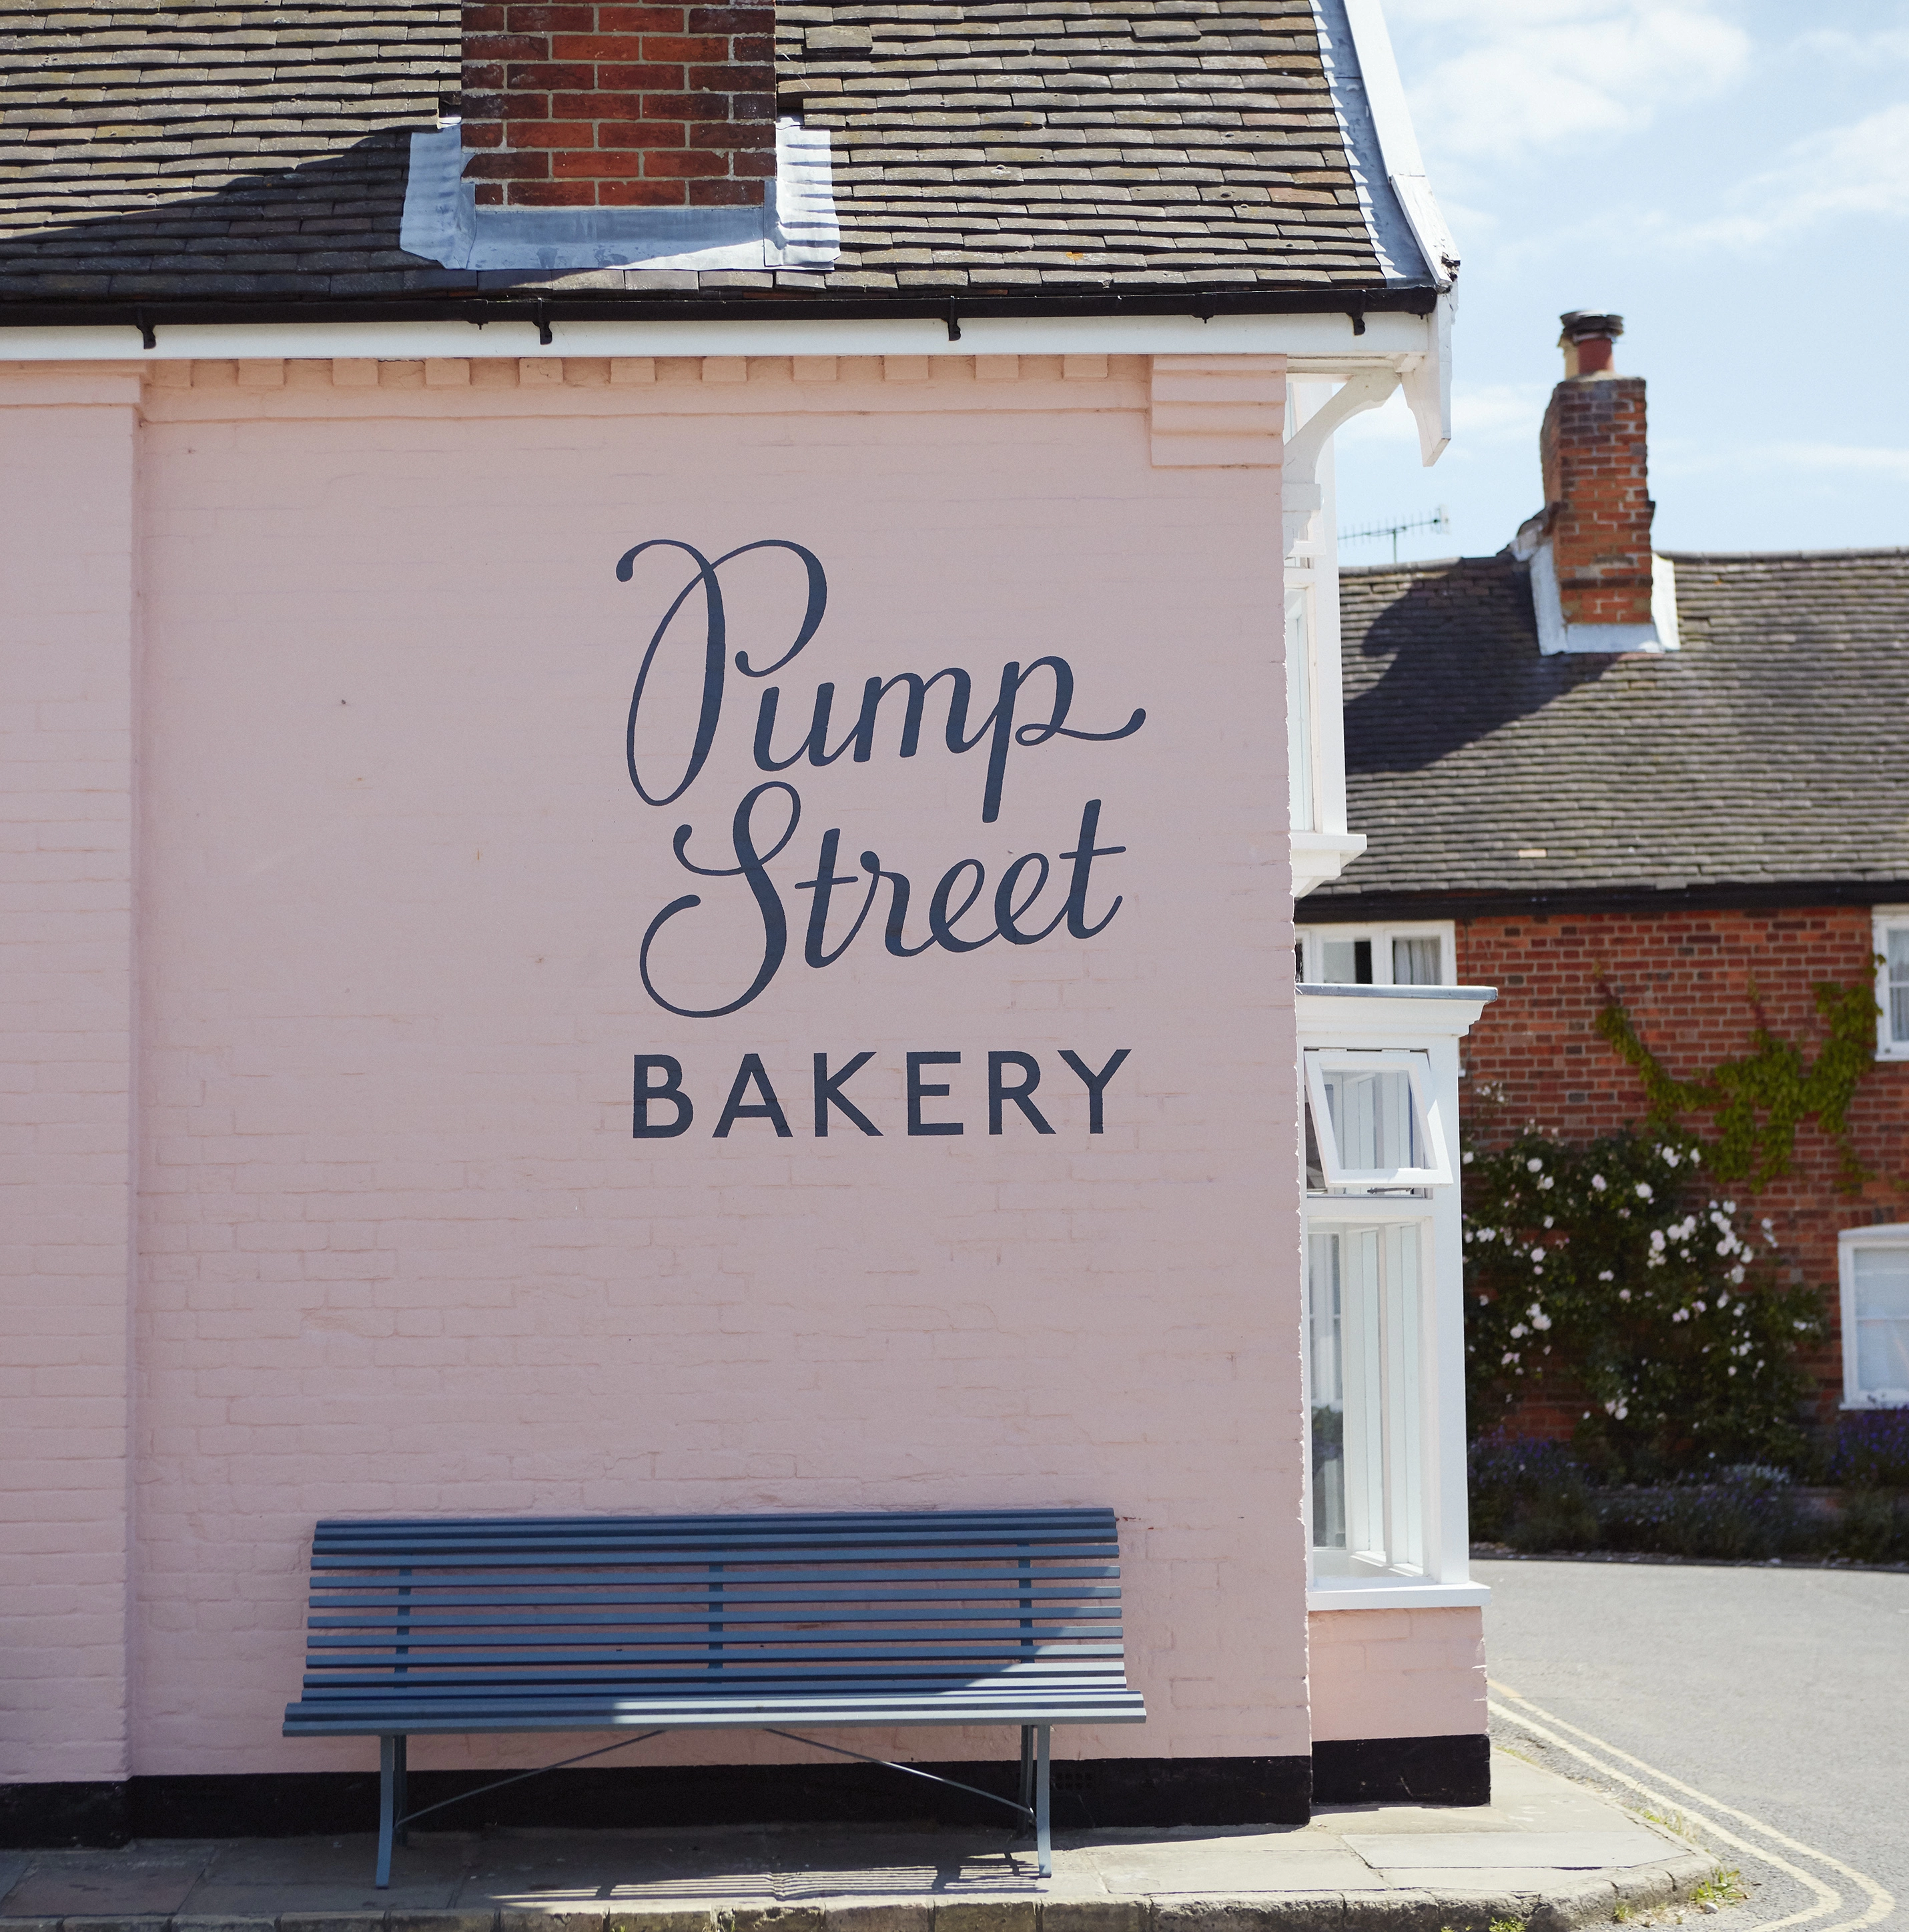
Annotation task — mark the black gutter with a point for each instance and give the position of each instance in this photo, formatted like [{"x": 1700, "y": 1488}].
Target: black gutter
[
  {"x": 547, "y": 309},
  {"x": 1325, "y": 907}
]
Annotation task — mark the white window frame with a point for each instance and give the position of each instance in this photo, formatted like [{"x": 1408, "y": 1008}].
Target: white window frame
[
  {"x": 1427, "y": 1022},
  {"x": 1354, "y": 1213},
  {"x": 1310, "y": 937},
  {"x": 1849, "y": 1242},
  {"x": 1416, "y": 1067},
  {"x": 1888, "y": 919}
]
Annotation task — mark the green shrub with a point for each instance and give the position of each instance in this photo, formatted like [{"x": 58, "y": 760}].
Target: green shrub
[
  {"x": 1612, "y": 1272},
  {"x": 1874, "y": 1527}
]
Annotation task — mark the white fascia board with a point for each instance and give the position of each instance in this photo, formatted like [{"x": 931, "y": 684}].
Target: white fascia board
[
  {"x": 1324, "y": 338},
  {"x": 1398, "y": 141}
]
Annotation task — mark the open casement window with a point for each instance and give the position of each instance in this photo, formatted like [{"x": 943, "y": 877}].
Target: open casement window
[
  {"x": 1366, "y": 1329},
  {"x": 1372, "y": 1122},
  {"x": 1875, "y": 1298}
]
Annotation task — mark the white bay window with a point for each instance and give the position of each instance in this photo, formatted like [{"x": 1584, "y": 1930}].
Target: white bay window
[{"x": 1385, "y": 1345}]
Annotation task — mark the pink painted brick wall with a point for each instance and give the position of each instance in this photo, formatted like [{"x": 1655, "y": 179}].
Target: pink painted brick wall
[
  {"x": 67, "y": 666},
  {"x": 1397, "y": 1673},
  {"x": 399, "y": 1250}
]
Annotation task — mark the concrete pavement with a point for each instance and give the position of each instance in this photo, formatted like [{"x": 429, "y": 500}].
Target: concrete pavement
[{"x": 1546, "y": 1853}]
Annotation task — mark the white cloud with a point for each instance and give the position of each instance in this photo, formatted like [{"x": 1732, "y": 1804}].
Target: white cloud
[
  {"x": 1834, "y": 43},
  {"x": 1862, "y": 169},
  {"x": 1846, "y": 459},
  {"x": 1505, "y": 78}
]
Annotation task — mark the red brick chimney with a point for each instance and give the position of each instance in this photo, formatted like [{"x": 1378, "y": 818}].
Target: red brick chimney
[
  {"x": 618, "y": 106},
  {"x": 1597, "y": 494}
]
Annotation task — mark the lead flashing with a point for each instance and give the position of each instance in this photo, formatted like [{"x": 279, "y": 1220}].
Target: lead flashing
[{"x": 794, "y": 227}]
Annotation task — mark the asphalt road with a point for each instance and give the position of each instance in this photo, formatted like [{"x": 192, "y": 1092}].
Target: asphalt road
[{"x": 1784, "y": 1693}]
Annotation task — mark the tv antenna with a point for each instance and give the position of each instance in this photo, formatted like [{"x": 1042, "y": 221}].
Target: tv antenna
[{"x": 1439, "y": 520}]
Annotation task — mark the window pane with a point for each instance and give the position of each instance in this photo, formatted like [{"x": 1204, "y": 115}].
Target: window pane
[
  {"x": 1365, "y": 1312},
  {"x": 1898, "y": 984},
  {"x": 1346, "y": 962},
  {"x": 1415, "y": 961},
  {"x": 1372, "y": 1119},
  {"x": 1328, "y": 1402},
  {"x": 1882, "y": 1320}
]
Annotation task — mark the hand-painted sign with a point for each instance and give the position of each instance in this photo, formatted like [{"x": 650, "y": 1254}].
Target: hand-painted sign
[{"x": 765, "y": 820}]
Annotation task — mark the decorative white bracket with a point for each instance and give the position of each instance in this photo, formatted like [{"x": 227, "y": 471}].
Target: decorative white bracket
[{"x": 1300, "y": 495}]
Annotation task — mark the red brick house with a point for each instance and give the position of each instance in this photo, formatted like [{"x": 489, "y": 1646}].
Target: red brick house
[{"x": 1586, "y": 771}]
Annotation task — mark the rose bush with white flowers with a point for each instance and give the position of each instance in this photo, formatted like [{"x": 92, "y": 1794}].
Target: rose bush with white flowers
[{"x": 1616, "y": 1275}]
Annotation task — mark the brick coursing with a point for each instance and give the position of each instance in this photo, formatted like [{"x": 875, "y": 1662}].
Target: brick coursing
[
  {"x": 1592, "y": 447},
  {"x": 1694, "y": 984},
  {"x": 587, "y": 105}
]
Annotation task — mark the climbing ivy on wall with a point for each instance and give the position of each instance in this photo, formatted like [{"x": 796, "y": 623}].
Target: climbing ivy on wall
[{"x": 1758, "y": 1099}]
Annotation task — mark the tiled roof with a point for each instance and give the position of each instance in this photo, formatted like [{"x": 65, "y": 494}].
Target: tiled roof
[
  {"x": 1089, "y": 142},
  {"x": 220, "y": 151},
  {"x": 1772, "y": 752}
]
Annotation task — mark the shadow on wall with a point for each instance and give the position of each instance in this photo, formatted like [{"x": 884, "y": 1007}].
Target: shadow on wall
[{"x": 1463, "y": 642}]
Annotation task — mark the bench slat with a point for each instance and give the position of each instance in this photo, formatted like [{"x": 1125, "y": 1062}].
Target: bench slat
[{"x": 1010, "y": 1616}]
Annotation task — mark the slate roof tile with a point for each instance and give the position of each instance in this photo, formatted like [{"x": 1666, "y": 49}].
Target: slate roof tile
[
  {"x": 1769, "y": 750},
  {"x": 130, "y": 135}
]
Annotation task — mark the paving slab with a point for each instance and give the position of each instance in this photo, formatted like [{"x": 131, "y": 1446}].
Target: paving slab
[
  {"x": 1546, "y": 1853},
  {"x": 1524, "y": 1851},
  {"x": 102, "y": 1885}
]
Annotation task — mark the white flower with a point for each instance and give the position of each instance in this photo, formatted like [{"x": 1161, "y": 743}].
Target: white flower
[
  {"x": 1696, "y": 1158},
  {"x": 1643, "y": 1190},
  {"x": 1657, "y": 1240},
  {"x": 1729, "y": 1207},
  {"x": 1598, "y": 1182},
  {"x": 1465, "y": 1158},
  {"x": 1736, "y": 1273},
  {"x": 1605, "y": 1274},
  {"x": 1519, "y": 1331},
  {"x": 1623, "y": 1294},
  {"x": 1534, "y": 1167},
  {"x": 1548, "y": 1220},
  {"x": 1670, "y": 1155}
]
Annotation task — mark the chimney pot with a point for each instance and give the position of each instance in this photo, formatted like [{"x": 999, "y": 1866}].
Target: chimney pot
[{"x": 1589, "y": 342}]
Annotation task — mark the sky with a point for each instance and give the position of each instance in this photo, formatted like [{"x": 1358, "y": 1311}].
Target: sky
[{"x": 1731, "y": 177}]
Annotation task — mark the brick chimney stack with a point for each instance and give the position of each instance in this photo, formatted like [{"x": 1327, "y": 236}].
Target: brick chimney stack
[
  {"x": 606, "y": 106},
  {"x": 1597, "y": 493}
]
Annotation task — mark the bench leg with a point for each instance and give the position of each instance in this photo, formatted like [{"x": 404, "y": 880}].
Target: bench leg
[
  {"x": 1043, "y": 1842},
  {"x": 391, "y": 1798},
  {"x": 1027, "y": 1766}
]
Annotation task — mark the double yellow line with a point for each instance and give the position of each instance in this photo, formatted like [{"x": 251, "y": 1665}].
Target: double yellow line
[{"x": 1604, "y": 1759}]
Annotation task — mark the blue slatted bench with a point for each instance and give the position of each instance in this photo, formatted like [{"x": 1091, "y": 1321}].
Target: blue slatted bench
[{"x": 675, "y": 1623}]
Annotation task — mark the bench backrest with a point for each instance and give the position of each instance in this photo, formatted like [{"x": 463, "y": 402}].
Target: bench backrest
[{"x": 742, "y": 1605}]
